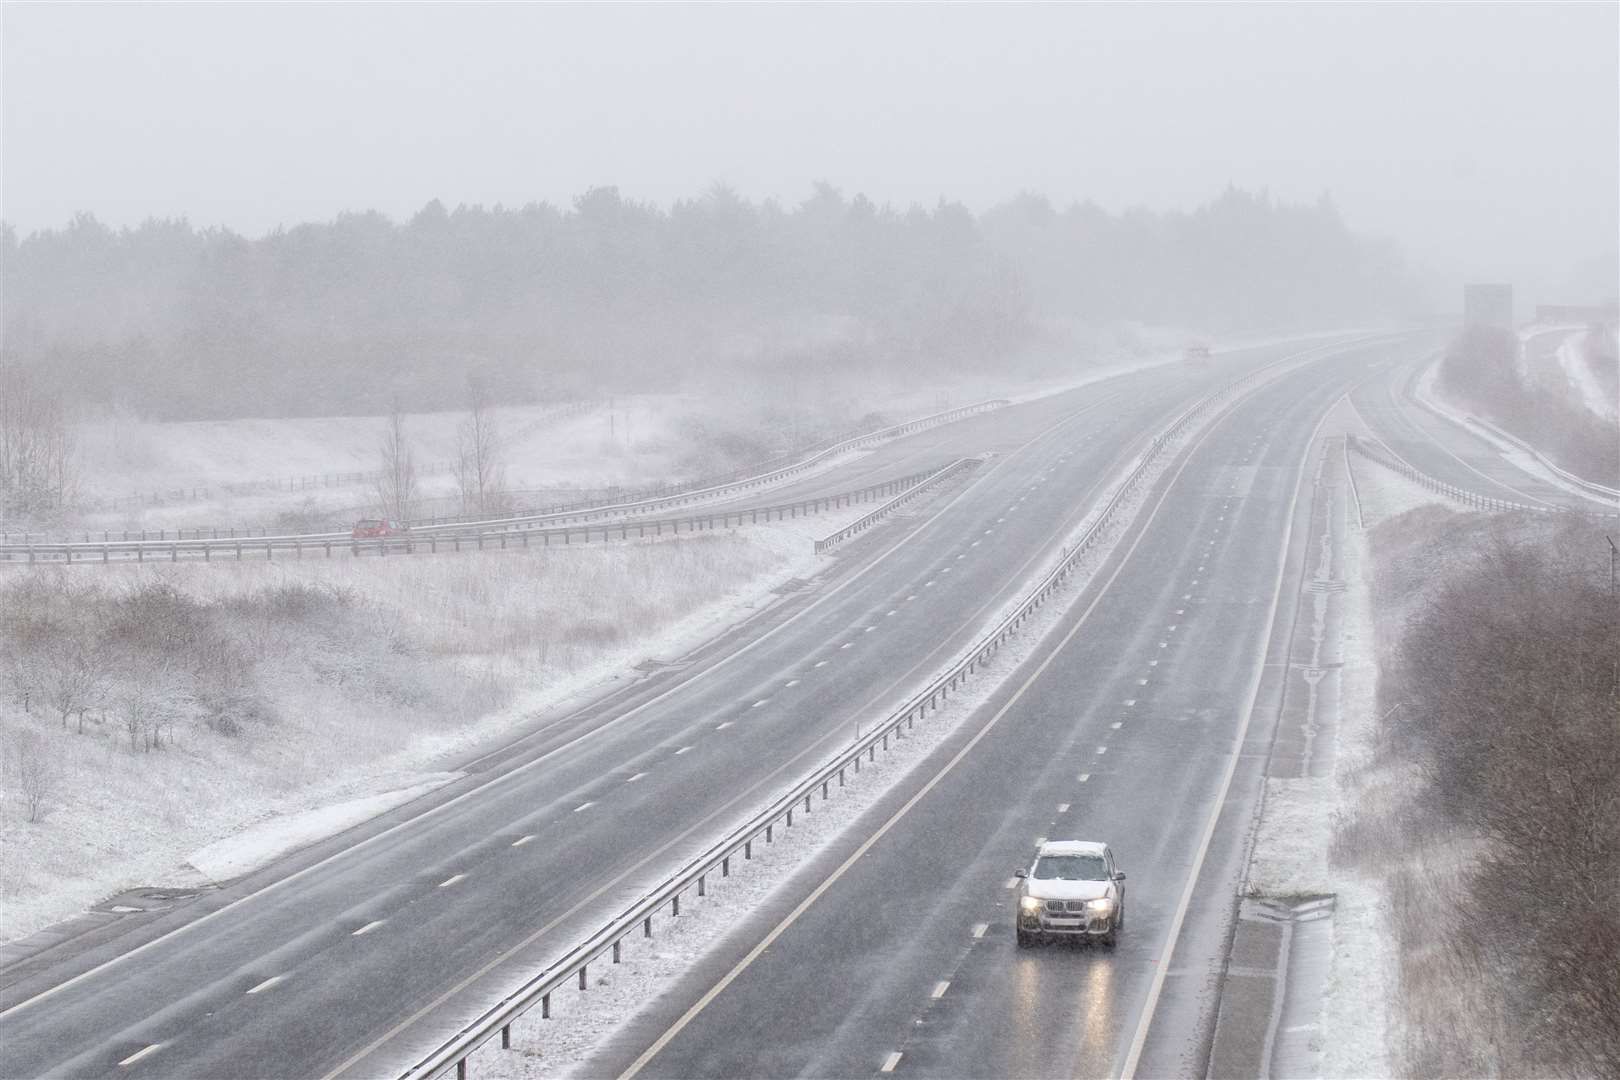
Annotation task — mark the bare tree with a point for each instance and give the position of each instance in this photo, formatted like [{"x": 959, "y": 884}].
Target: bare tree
[
  {"x": 396, "y": 483},
  {"x": 75, "y": 675},
  {"x": 36, "y": 445},
  {"x": 34, "y": 771},
  {"x": 480, "y": 472}
]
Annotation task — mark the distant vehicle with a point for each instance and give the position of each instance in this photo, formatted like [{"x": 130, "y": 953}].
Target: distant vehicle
[
  {"x": 1195, "y": 354},
  {"x": 1073, "y": 889},
  {"x": 374, "y": 527}
]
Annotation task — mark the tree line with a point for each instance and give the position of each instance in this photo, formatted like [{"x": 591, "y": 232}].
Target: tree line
[{"x": 169, "y": 321}]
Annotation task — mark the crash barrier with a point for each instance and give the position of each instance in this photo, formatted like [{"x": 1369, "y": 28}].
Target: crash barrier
[
  {"x": 1591, "y": 487},
  {"x": 662, "y": 498},
  {"x": 865, "y": 521},
  {"x": 1381, "y": 454},
  {"x": 434, "y": 541},
  {"x": 607, "y": 942}
]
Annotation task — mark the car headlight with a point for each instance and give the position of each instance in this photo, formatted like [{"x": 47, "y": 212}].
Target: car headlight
[
  {"x": 1102, "y": 906},
  {"x": 1029, "y": 904}
]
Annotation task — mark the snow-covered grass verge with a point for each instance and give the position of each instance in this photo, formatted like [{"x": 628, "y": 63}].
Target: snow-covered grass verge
[
  {"x": 581, "y": 1023},
  {"x": 160, "y": 710}
]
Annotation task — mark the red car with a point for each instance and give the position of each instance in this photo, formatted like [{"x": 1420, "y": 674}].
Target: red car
[{"x": 374, "y": 527}]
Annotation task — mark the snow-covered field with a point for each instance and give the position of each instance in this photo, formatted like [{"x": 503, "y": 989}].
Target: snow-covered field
[{"x": 422, "y": 659}]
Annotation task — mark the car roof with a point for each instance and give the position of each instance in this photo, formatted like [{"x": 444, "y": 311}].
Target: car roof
[{"x": 1072, "y": 847}]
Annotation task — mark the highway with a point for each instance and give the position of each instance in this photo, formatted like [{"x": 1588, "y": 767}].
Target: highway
[
  {"x": 893, "y": 950},
  {"x": 1449, "y": 452},
  {"x": 357, "y": 954}
]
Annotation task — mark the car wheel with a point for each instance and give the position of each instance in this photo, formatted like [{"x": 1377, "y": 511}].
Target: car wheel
[{"x": 1110, "y": 939}]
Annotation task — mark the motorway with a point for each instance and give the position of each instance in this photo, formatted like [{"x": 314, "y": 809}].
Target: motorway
[
  {"x": 893, "y": 951},
  {"x": 356, "y": 954},
  {"x": 1451, "y": 453}
]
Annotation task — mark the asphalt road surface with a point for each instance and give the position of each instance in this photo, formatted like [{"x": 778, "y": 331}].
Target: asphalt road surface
[
  {"x": 360, "y": 952},
  {"x": 1134, "y": 723}
]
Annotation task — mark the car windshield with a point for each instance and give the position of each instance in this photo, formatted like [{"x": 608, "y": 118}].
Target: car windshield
[{"x": 1071, "y": 868}]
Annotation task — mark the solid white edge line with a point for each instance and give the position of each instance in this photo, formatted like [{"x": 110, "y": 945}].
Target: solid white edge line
[{"x": 1162, "y": 968}]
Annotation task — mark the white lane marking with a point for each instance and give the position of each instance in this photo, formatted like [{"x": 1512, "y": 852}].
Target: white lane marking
[
  {"x": 869, "y": 629},
  {"x": 1141, "y": 682},
  {"x": 520, "y": 841},
  {"x": 137, "y": 1055},
  {"x": 939, "y": 989},
  {"x": 683, "y": 749},
  {"x": 1164, "y": 644},
  {"x": 758, "y": 703},
  {"x": 910, "y": 598},
  {"x": 452, "y": 879},
  {"x": 946, "y": 570},
  {"x": 959, "y": 558},
  {"x": 1162, "y": 966},
  {"x": 974, "y": 544},
  {"x": 1195, "y": 581},
  {"x": 636, "y": 777},
  {"x": 929, "y": 584},
  {"x": 1063, "y": 808},
  {"x": 1130, "y": 701},
  {"x": 1039, "y": 840},
  {"x": 1000, "y": 520},
  {"x": 821, "y": 663},
  {"x": 267, "y": 984},
  {"x": 1181, "y": 611},
  {"x": 1173, "y": 627},
  {"x": 1115, "y": 725},
  {"x": 722, "y": 725},
  {"x": 890, "y": 1062},
  {"x": 891, "y": 612},
  {"x": 846, "y": 644},
  {"x": 1102, "y": 750},
  {"x": 584, "y": 805},
  {"x": 1186, "y": 596},
  {"x": 1153, "y": 663},
  {"x": 1011, "y": 883},
  {"x": 1084, "y": 777},
  {"x": 979, "y": 928},
  {"x": 368, "y": 928},
  {"x": 791, "y": 683}
]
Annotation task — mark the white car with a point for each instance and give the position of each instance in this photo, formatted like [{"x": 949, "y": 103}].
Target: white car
[{"x": 1073, "y": 889}]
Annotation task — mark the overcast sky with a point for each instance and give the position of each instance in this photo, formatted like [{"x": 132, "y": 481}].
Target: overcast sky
[{"x": 1485, "y": 138}]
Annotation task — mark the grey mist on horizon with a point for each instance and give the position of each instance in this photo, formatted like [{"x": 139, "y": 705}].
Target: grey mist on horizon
[{"x": 1482, "y": 140}]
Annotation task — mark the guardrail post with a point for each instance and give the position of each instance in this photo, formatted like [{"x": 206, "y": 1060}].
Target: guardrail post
[
  {"x": 701, "y": 890},
  {"x": 583, "y": 968},
  {"x": 506, "y": 1036},
  {"x": 675, "y": 905},
  {"x": 790, "y": 819},
  {"x": 616, "y": 952},
  {"x": 461, "y": 1069},
  {"x": 768, "y": 834},
  {"x": 823, "y": 794},
  {"x": 725, "y": 866},
  {"x": 545, "y": 1006},
  {"x": 748, "y": 850},
  {"x": 841, "y": 773},
  {"x": 646, "y": 927}
]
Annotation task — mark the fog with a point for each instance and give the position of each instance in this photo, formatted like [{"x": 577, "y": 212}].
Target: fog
[{"x": 1482, "y": 138}]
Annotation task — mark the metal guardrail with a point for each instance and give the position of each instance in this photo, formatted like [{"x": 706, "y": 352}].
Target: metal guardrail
[
  {"x": 865, "y": 521},
  {"x": 1591, "y": 487},
  {"x": 433, "y": 541},
  {"x": 608, "y": 939},
  {"x": 1381, "y": 454},
  {"x": 595, "y": 511}
]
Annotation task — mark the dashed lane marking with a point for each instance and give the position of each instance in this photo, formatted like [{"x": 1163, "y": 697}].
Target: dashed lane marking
[
  {"x": 760, "y": 702},
  {"x": 453, "y": 878},
  {"x": 370, "y": 926},
  {"x": 139, "y": 1054},
  {"x": 632, "y": 779},
  {"x": 722, "y": 725},
  {"x": 1101, "y": 750},
  {"x": 939, "y": 989},
  {"x": 1011, "y": 883},
  {"x": 790, "y": 683},
  {"x": 1063, "y": 808},
  {"x": 979, "y": 928},
  {"x": 520, "y": 841},
  {"x": 890, "y": 1062},
  {"x": 683, "y": 749},
  {"x": 267, "y": 984},
  {"x": 1116, "y": 725},
  {"x": 1084, "y": 777},
  {"x": 584, "y": 805},
  {"x": 821, "y": 663}
]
